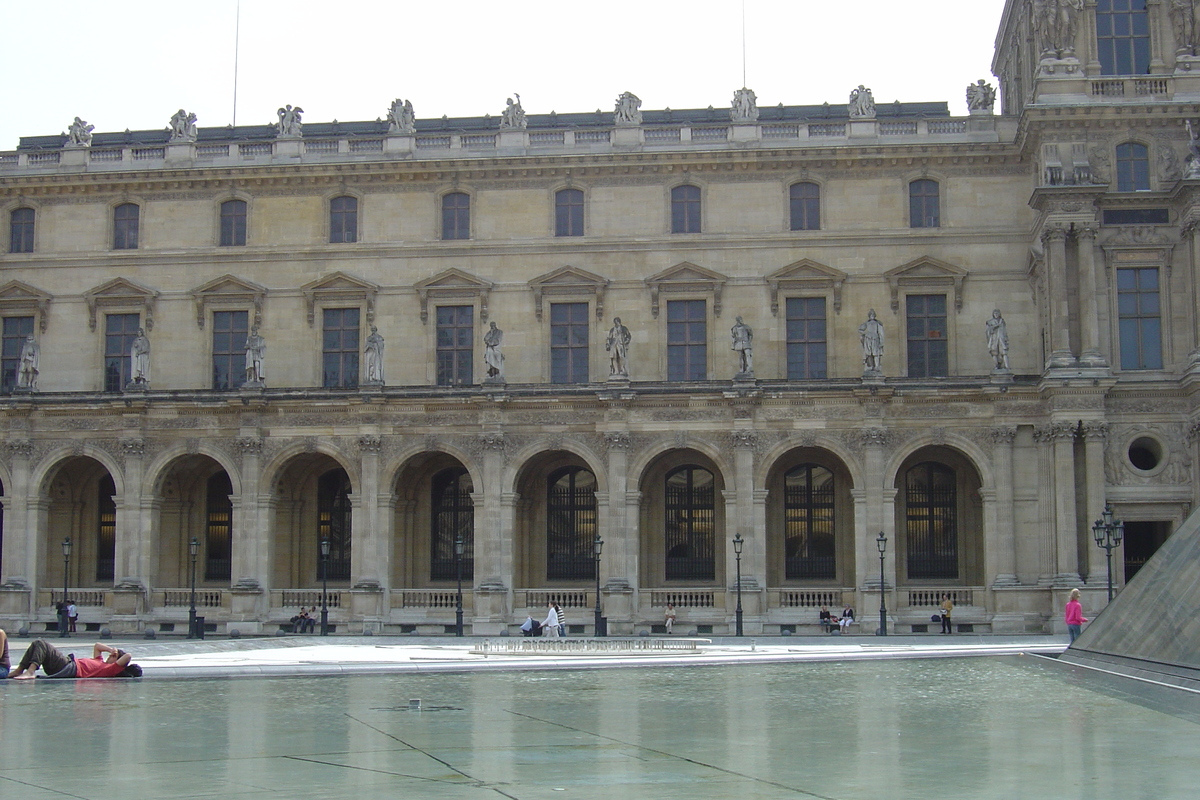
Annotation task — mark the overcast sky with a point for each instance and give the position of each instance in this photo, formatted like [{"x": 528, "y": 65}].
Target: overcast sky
[{"x": 132, "y": 64}]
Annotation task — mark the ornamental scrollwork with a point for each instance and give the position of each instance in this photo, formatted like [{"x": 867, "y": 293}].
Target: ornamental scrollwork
[
  {"x": 22, "y": 448},
  {"x": 370, "y": 444},
  {"x": 744, "y": 440},
  {"x": 617, "y": 440},
  {"x": 1002, "y": 435},
  {"x": 133, "y": 447},
  {"x": 875, "y": 437},
  {"x": 249, "y": 445}
]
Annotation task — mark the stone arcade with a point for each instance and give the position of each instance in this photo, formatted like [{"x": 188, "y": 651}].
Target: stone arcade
[{"x": 1030, "y": 277}]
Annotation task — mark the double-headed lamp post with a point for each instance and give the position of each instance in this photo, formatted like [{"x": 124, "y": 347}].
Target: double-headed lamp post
[
  {"x": 738, "y": 544},
  {"x": 1108, "y": 533},
  {"x": 458, "y": 609},
  {"x": 598, "y": 624},
  {"x": 193, "y": 550},
  {"x": 63, "y": 622},
  {"x": 325, "y": 587},
  {"x": 881, "y": 543}
]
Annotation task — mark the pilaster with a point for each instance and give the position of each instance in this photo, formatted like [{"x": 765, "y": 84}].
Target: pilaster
[{"x": 1001, "y": 535}]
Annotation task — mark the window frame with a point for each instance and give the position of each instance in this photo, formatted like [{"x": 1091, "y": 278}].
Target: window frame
[
  {"x": 1137, "y": 322},
  {"x": 11, "y": 344},
  {"x": 913, "y": 555},
  {"x": 121, "y": 354},
  {"x": 348, "y": 354},
  {"x": 910, "y": 340},
  {"x": 460, "y": 226},
  {"x": 792, "y": 346},
  {"x": 28, "y": 230},
  {"x": 577, "y": 544},
  {"x": 342, "y": 219},
  {"x": 576, "y": 354},
  {"x": 126, "y": 230},
  {"x": 1132, "y": 161},
  {"x": 808, "y": 206},
  {"x": 235, "y": 232},
  {"x": 236, "y": 353},
  {"x": 816, "y": 512},
  {"x": 681, "y": 529},
  {"x": 462, "y": 356},
  {"x": 686, "y": 213},
  {"x": 335, "y": 521},
  {"x": 690, "y": 348},
  {"x": 1108, "y": 44},
  {"x": 567, "y": 212},
  {"x": 919, "y": 201},
  {"x": 462, "y": 513}
]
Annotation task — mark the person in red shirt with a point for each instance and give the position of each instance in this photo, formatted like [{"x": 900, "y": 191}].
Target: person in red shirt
[{"x": 106, "y": 662}]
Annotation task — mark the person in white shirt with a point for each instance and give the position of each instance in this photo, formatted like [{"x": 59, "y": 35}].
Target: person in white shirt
[{"x": 550, "y": 626}]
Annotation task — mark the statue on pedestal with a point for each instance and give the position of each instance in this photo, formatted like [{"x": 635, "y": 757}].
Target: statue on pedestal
[
  {"x": 997, "y": 340},
  {"x": 183, "y": 126},
  {"x": 27, "y": 371},
  {"x": 870, "y": 335},
  {"x": 139, "y": 360},
  {"x": 513, "y": 115},
  {"x": 373, "y": 358},
  {"x": 256, "y": 354},
  {"x": 862, "y": 103},
  {"x": 1057, "y": 22},
  {"x": 617, "y": 347},
  {"x": 743, "y": 336},
  {"x": 79, "y": 134},
  {"x": 745, "y": 106},
  {"x": 401, "y": 119},
  {"x": 628, "y": 110},
  {"x": 981, "y": 97},
  {"x": 1183, "y": 21},
  {"x": 289, "y": 125},
  {"x": 491, "y": 352}
]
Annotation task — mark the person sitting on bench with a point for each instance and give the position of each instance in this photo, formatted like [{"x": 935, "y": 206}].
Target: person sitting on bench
[{"x": 847, "y": 618}]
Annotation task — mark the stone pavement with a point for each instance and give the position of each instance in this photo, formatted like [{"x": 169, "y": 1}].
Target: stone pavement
[{"x": 345, "y": 655}]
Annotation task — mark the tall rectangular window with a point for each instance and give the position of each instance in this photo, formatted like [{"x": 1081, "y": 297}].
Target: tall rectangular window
[
  {"x": 233, "y": 223},
  {"x": 126, "y": 222},
  {"x": 1133, "y": 167},
  {"x": 806, "y": 353},
  {"x": 928, "y": 353},
  {"x": 343, "y": 220},
  {"x": 924, "y": 204},
  {"x": 1139, "y": 318},
  {"x": 806, "y": 206},
  {"x": 230, "y": 329},
  {"x": 455, "y": 345},
  {"x": 456, "y": 216},
  {"x": 1123, "y": 37},
  {"x": 119, "y": 332},
  {"x": 339, "y": 348},
  {"x": 106, "y": 529},
  {"x": 20, "y": 231},
  {"x": 685, "y": 209},
  {"x": 218, "y": 540},
  {"x": 569, "y": 343},
  {"x": 15, "y": 330},
  {"x": 687, "y": 340},
  {"x": 568, "y": 213}
]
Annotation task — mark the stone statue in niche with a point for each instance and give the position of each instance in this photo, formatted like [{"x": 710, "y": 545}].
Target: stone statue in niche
[
  {"x": 617, "y": 347},
  {"x": 745, "y": 106},
  {"x": 401, "y": 118},
  {"x": 513, "y": 115},
  {"x": 862, "y": 103},
  {"x": 997, "y": 340},
  {"x": 79, "y": 134},
  {"x": 1168, "y": 163},
  {"x": 870, "y": 335},
  {"x": 183, "y": 126},
  {"x": 139, "y": 360},
  {"x": 628, "y": 110},
  {"x": 1183, "y": 21},
  {"x": 492, "y": 356},
  {"x": 373, "y": 358},
  {"x": 256, "y": 356},
  {"x": 743, "y": 338},
  {"x": 981, "y": 97},
  {"x": 289, "y": 125},
  {"x": 27, "y": 371},
  {"x": 1192, "y": 162},
  {"x": 1057, "y": 22}
]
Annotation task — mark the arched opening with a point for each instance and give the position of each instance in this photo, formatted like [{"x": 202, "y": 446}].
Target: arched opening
[
  {"x": 939, "y": 519},
  {"x": 81, "y": 505},
  {"x": 683, "y": 521},
  {"x": 434, "y": 506},
  {"x": 557, "y": 522},
  {"x": 313, "y": 502},
  {"x": 194, "y": 502},
  {"x": 810, "y": 521}
]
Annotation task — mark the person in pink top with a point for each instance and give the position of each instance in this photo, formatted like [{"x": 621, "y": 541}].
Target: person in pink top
[{"x": 1073, "y": 616}]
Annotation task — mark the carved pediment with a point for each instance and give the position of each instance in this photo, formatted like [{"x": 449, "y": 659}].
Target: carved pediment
[
  {"x": 340, "y": 287},
  {"x": 454, "y": 284},
  {"x": 568, "y": 281},
  {"x": 18, "y": 297},
  {"x": 229, "y": 290},
  {"x": 121, "y": 293},
  {"x": 926, "y": 272},
  {"x": 806, "y": 275},
  {"x": 686, "y": 277}
]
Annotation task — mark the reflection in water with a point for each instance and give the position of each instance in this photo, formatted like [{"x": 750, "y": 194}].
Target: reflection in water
[{"x": 948, "y": 728}]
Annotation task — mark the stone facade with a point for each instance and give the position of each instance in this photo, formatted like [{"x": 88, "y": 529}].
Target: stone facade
[{"x": 798, "y": 219}]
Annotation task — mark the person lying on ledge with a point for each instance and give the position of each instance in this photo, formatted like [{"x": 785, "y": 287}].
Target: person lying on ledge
[{"x": 106, "y": 662}]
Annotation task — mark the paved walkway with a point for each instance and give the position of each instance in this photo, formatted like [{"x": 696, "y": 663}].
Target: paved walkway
[{"x": 344, "y": 655}]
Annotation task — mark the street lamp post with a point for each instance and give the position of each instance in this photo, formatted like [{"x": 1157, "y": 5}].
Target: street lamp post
[
  {"x": 598, "y": 626},
  {"x": 63, "y": 621},
  {"x": 1108, "y": 533},
  {"x": 324, "y": 587},
  {"x": 458, "y": 609},
  {"x": 738, "y": 543},
  {"x": 194, "y": 550},
  {"x": 881, "y": 543}
]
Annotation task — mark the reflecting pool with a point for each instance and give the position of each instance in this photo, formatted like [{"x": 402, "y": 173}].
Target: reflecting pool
[{"x": 947, "y": 728}]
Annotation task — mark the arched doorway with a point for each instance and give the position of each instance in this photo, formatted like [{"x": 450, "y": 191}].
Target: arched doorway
[
  {"x": 939, "y": 519},
  {"x": 683, "y": 521},
  {"x": 557, "y": 523},
  {"x": 313, "y": 503},
  {"x": 435, "y": 506},
  {"x": 810, "y": 521},
  {"x": 80, "y": 505},
  {"x": 195, "y": 502}
]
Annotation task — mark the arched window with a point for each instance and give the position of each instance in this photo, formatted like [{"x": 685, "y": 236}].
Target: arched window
[
  {"x": 924, "y": 204},
  {"x": 690, "y": 529},
  {"x": 1133, "y": 167},
  {"x": 333, "y": 523},
  {"x": 1123, "y": 37},
  {"x": 20, "y": 231},
  {"x": 931, "y": 519},
  {"x": 106, "y": 529},
  {"x": 456, "y": 216},
  {"x": 805, "y": 206},
  {"x": 568, "y": 213},
  {"x": 218, "y": 539},
  {"x": 452, "y": 515},
  {"x": 570, "y": 524},
  {"x": 685, "y": 209},
  {"x": 233, "y": 223},
  {"x": 809, "y": 549},
  {"x": 343, "y": 220},
  {"x": 126, "y": 221}
]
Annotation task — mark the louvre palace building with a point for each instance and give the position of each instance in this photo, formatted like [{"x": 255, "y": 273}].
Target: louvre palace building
[{"x": 787, "y": 356}]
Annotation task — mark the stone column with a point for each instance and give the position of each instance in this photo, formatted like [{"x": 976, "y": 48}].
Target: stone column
[
  {"x": 134, "y": 534},
  {"x": 1187, "y": 234},
  {"x": 18, "y": 584},
  {"x": 250, "y": 552},
  {"x": 739, "y": 519},
  {"x": 1066, "y": 536},
  {"x": 370, "y": 558},
  {"x": 1095, "y": 432},
  {"x": 619, "y": 529},
  {"x": 1089, "y": 313},
  {"x": 494, "y": 530},
  {"x": 1001, "y": 552},
  {"x": 1054, "y": 241},
  {"x": 878, "y": 514}
]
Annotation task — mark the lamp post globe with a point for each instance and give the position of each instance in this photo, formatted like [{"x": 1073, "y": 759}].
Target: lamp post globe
[
  {"x": 193, "y": 551},
  {"x": 598, "y": 627},
  {"x": 63, "y": 621},
  {"x": 881, "y": 543},
  {"x": 325, "y": 587},
  {"x": 738, "y": 544},
  {"x": 1108, "y": 533}
]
